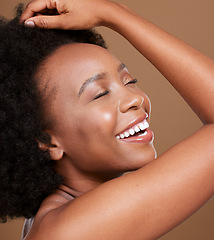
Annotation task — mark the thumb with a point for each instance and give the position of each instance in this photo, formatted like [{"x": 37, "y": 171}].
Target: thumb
[{"x": 48, "y": 22}]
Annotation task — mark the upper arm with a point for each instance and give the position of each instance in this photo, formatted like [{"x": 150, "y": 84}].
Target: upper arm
[{"x": 144, "y": 204}]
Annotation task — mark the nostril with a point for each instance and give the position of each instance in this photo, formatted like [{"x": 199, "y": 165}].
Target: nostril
[{"x": 134, "y": 107}]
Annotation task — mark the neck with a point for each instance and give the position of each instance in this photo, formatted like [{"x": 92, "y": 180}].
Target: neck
[
  {"x": 80, "y": 182},
  {"x": 69, "y": 191},
  {"x": 80, "y": 186}
]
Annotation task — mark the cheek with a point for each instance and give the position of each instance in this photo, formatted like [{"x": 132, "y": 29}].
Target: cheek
[
  {"x": 106, "y": 121},
  {"x": 99, "y": 122},
  {"x": 94, "y": 135}
]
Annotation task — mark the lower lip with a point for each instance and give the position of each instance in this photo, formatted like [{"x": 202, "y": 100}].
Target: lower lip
[{"x": 147, "y": 138}]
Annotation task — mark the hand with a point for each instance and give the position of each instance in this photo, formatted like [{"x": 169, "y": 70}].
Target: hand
[{"x": 65, "y": 14}]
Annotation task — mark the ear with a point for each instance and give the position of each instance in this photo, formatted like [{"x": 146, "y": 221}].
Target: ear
[{"x": 56, "y": 152}]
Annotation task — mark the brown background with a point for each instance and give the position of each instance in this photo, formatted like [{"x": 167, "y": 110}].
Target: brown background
[{"x": 172, "y": 119}]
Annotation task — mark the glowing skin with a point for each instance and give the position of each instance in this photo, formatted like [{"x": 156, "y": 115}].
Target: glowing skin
[
  {"x": 96, "y": 99},
  {"x": 151, "y": 201}
]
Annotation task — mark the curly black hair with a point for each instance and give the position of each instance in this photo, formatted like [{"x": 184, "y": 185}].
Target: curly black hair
[{"x": 27, "y": 174}]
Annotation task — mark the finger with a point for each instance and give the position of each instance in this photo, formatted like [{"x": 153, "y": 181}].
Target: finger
[
  {"x": 48, "y": 12},
  {"x": 33, "y": 8},
  {"x": 49, "y": 22}
]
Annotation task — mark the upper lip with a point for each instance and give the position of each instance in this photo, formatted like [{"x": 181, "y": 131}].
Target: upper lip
[{"x": 134, "y": 122}]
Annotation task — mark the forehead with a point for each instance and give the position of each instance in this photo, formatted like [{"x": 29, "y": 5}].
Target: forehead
[
  {"x": 80, "y": 60},
  {"x": 64, "y": 72}
]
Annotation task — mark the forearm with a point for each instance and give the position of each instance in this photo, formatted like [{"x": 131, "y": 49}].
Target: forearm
[
  {"x": 147, "y": 203},
  {"x": 188, "y": 70}
]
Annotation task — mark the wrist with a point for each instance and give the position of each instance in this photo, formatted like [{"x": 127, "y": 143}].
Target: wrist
[{"x": 112, "y": 14}]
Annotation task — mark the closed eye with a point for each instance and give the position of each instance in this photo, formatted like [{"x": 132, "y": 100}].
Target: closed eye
[
  {"x": 101, "y": 94},
  {"x": 133, "y": 81}
]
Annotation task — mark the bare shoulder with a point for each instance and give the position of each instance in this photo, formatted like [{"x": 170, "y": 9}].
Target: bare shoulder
[{"x": 52, "y": 204}]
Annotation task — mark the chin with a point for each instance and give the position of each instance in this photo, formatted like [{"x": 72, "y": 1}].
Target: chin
[{"x": 146, "y": 159}]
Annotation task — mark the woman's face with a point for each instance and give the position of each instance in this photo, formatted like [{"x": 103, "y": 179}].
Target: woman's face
[{"x": 94, "y": 105}]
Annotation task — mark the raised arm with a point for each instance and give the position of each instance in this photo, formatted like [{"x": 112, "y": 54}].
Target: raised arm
[
  {"x": 188, "y": 70},
  {"x": 149, "y": 202}
]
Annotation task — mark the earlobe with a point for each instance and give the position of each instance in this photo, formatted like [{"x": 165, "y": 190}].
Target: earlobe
[{"x": 56, "y": 153}]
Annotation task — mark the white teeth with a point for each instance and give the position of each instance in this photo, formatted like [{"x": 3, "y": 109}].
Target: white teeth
[
  {"x": 143, "y": 134},
  {"x": 144, "y": 125},
  {"x": 126, "y": 134},
  {"x": 137, "y": 128},
  {"x": 141, "y": 126},
  {"x": 131, "y": 131},
  {"x": 122, "y": 136}
]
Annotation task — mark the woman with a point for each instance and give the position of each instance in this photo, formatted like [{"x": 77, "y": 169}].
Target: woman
[{"x": 95, "y": 127}]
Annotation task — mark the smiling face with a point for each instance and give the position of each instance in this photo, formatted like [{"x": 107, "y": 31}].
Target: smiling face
[{"x": 95, "y": 107}]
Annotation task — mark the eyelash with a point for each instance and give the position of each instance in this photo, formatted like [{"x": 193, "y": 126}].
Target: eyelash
[
  {"x": 133, "y": 81},
  {"x": 101, "y": 94}
]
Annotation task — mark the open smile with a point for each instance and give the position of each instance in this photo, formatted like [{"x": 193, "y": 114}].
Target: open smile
[
  {"x": 137, "y": 129},
  {"x": 139, "y": 133}
]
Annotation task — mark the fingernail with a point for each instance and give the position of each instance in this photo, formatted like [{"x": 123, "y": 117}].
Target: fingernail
[{"x": 30, "y": 24}]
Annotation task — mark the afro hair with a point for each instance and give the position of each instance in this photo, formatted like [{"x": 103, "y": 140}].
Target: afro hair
[{"x": 27, "y": 174}]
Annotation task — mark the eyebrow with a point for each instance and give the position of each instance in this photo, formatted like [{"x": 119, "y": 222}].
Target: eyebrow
[{"x": 98, "y": 77}]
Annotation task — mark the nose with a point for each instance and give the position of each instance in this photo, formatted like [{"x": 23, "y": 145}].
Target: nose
[{"x": 129, "y": 101}]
